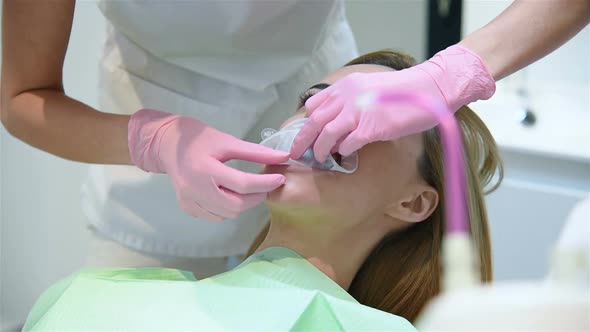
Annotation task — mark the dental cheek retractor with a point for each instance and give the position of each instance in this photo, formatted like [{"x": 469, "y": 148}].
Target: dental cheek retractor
[{"x": 282, "y": 140}]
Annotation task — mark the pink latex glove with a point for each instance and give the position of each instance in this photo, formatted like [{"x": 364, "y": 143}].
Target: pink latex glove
[
  {"x": 342, "y": 117},
  {"x": 193, "y": 155}
]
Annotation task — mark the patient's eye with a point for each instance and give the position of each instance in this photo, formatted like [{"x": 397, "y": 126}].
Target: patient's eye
[
  {"x": 305, "y": 96},
  {"x": 310, "y": 92}
]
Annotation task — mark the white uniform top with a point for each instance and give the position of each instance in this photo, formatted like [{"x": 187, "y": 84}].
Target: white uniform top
[{"x": 237, "y": 66}]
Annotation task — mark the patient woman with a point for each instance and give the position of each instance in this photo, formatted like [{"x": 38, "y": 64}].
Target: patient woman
[{"x": 357, "y": 251}]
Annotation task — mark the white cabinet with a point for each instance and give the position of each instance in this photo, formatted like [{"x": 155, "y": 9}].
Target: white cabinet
[{"x": 528, "y": 210}]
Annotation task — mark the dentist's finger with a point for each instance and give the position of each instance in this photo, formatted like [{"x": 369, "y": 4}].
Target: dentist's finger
[
  {"x": 256, "y": 153},
  {"x": 317, "y": 100},
  {"x": 247, "y": 183},
  {"x": 314, "y": 125},
  {"x": 353, "y": 142},
  {"x": 332, "y": 133}
]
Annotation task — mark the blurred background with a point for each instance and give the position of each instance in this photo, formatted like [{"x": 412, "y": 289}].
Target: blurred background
[{"x": 540, "y": 118}]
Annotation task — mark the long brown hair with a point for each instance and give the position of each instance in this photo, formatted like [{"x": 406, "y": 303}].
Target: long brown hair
[{"x": 404, "y": 271}]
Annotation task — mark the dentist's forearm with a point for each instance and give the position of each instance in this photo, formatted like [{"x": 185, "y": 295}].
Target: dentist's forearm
[
  {"x": 55, "y": 123},
  {"x": 527, "y": 31},
  {"x": 34, "y": 108}
]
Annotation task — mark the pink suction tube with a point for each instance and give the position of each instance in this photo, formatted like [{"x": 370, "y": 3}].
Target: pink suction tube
[{"x": 452, "y": 147}]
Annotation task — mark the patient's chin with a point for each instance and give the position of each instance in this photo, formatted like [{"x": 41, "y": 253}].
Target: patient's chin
[
  {"x": 298, "y": 192},
  {"x": 292, "y": 194}
]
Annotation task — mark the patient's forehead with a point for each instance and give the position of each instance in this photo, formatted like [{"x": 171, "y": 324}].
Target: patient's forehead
[{"x": 341, "y": 72}]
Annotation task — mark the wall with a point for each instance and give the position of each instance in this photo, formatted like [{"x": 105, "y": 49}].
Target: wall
[
  {"x": 396, "y": 24},
  {"x": 42, "y": 226}
]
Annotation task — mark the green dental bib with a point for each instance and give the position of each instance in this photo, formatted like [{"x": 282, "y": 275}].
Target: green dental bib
[{"x": 273, "y": 290}]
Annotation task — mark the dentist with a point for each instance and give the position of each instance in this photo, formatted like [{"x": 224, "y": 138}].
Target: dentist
[{"x": 184, "y": 86}]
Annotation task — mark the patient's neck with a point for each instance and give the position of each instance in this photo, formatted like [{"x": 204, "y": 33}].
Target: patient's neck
[{"x": 338, "y": 252}]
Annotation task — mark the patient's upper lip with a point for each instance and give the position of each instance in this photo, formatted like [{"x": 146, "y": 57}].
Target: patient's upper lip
[{"x": 292, "y": 169}]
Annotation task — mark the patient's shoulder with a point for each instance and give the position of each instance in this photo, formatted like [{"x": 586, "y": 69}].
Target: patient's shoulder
[{"x": 145, "y": 273}]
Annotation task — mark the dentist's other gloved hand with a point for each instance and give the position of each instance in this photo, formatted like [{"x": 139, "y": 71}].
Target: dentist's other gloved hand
[
  {"x": 343, "y": 117},
  {"x": 193, "y": 155}
]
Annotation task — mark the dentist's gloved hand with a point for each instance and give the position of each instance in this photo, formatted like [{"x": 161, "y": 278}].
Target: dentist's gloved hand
[
  {"x": 193, "y": 155},
  {"x": 343, "y": 117}
]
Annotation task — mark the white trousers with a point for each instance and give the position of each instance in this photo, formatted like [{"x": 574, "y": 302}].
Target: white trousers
[{"x": 104, "y": 252}]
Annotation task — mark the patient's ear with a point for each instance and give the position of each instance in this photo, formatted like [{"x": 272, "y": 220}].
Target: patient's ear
[{"x": 415, "y": 207}]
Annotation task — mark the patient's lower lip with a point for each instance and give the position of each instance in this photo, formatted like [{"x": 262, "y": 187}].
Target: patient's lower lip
[
  {"x": 275, "y": 168},
  {"x": 293, "y": 168}
]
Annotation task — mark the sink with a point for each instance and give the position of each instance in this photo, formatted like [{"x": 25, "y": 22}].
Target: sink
[{"x": 560, "y": 117}]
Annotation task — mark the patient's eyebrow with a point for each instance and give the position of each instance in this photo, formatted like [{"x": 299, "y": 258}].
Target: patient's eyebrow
[{"x": 310, "y": 92}]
